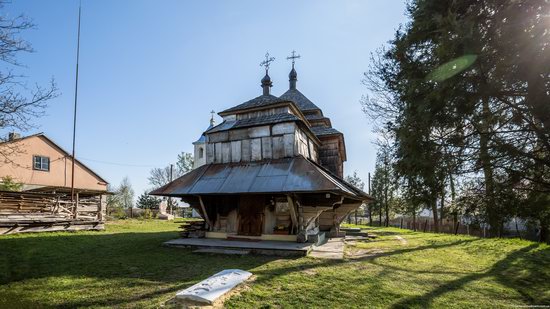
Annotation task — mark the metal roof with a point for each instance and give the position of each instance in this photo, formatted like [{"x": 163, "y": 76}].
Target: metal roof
[{"x": 290, "y": 175}]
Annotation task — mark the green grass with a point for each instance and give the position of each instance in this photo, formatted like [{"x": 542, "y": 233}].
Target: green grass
[{"x": 126, "y": 266}]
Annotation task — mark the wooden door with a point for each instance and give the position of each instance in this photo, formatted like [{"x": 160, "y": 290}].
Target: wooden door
[{"x": 251, "y": 211}]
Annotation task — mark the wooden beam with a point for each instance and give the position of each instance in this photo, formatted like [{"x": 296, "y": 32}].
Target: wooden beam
[
  {"x": 204, "y": 212},
  {"x": 293, "y": 215}
]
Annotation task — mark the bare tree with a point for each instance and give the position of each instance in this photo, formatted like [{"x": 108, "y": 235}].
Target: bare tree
[
  {"x": 160, "y": 176},
  {"x": 19, "y": 103}
]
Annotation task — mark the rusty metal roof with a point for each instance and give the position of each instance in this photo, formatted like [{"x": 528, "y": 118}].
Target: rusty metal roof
[{"x": 290, "y": 175}]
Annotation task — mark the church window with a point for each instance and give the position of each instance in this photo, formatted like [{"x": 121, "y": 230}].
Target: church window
[{"x": 201, "y": 153}]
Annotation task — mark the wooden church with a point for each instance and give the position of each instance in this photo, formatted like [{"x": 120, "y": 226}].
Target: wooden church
[{"x": 272, "y": 170}]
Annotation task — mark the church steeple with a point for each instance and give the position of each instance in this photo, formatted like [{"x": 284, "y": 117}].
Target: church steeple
[
  {"x": 266, "y": 81},
  {"x": 293, "y": 76},
  {"x": 212, "y": 120}
]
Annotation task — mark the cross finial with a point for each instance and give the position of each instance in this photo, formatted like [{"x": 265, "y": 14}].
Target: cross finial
[
  {"x": 267, "y": 62},
  {"x": 293, "y": 57},
  {"x": 212, "y": 121}
]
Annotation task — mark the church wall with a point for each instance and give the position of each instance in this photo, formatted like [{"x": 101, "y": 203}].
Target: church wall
[
  {"x": 282, "y": 140},
  {"x": 330, "y": 156},
  {"x": 265, "y": 112}
]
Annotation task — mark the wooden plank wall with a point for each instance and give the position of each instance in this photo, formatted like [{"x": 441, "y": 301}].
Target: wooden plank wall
[
  {"x": 283, "y": 140},
  {"x": 37, "y": 211}
]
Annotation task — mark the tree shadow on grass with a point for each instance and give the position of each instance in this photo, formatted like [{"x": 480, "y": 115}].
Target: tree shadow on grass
[
  {"x": 513, "y": 271},
  {"x": 123, "y": 258}
]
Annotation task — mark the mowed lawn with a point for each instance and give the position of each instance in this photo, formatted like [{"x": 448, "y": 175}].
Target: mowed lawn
[{"x": 126, "y": 266}]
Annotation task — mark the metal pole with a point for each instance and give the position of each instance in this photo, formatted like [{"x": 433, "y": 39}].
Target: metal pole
[
  {"x": 75, "y": 103},
  {"x": 170, "y": 199}
]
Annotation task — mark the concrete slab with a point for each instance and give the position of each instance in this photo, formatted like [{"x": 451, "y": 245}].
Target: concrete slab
[
  {"x": 207, "y": 291},
  {"x": 260, "y": 247},
  {"x": 333, "y": 249},
  {"x": 223, "y": 251}
]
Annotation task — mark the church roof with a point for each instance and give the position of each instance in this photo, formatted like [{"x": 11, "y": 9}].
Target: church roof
[
  {"x": 299, "y": 99},
  {"x": 263, "y": 100},
  {"x": 256, "y": 121},
  {"x": 320, "y": 131},
  {"x": 292, "y": 175}
]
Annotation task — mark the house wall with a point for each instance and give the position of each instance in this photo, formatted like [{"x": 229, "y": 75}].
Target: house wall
[
  {"x": 59, "y": 175},
  {"x": 276, "y": 141}
]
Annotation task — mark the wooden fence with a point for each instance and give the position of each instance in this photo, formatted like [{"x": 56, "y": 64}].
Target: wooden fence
[
  {"x": 35, "y": 212},
  {"x": 423, "y": 224}
]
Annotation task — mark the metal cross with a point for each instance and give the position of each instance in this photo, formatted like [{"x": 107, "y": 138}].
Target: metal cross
[
  {"x": 267, "y": 61},
  {"x": 293, "y": 57}
]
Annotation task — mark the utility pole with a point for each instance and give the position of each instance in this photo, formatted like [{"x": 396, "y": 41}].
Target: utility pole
[
  {"x": 170, "y": 199},
  {"x": 74, "y": 116}
]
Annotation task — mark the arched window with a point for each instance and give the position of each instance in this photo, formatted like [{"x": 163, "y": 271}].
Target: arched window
[{"x": 201, "y": 152}]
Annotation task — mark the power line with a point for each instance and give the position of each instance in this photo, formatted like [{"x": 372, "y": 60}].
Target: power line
[{"x": 116, "y": 163}]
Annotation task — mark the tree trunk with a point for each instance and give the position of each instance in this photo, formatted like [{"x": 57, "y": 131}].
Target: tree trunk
[
  {"x": 414, "y": 219},
  {"x": 370, "y": 213},
  {"x": 442, "y": 208},
  {"x": 434, "y": 212},
  {"x": 485, "y": 159}
]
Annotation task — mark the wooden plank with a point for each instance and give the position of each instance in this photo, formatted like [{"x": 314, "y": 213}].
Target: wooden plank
[
  {"x": 226, "y": 152},
  {"x": 218, "y": 137},
  {"x": 266, "y": 148},
  {"x": 255, "y": 149},
  {"x": 278, "y": 147},
  {"x": 245, "y": 150},
  {"x": 210, "y": 153},
  {"x": 238, "y": 134},
  {"x": 218, "y": 153},
  {"x": 283, "y": 128},
  {"x": 204, "y": 212},
  {"x": 236, "y": 151},
  {"x": 258, "y": 131},
  {"x": 293, "y": 215},
  {"x": 288, "y": 141}
]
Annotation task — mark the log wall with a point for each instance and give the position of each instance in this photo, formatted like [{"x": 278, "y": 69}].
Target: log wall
[{"x": 34, "y": 212}]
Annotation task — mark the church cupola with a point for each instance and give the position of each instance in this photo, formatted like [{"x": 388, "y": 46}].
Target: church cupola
[
  {"x": 266, "y": 81},
  {"x": 266, "y": 84},
  {"x": 293, "y": 76}
]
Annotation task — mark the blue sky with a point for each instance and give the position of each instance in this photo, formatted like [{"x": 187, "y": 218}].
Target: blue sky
[{"x": 150, "y": 71}]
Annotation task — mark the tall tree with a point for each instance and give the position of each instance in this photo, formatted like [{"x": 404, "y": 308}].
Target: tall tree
[
  {"x": 357, "y": 182},
  {"x": 464, "y": 88}
]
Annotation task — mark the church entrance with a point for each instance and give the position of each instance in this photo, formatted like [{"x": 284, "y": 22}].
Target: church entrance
[{"x": 251, "y": 208}]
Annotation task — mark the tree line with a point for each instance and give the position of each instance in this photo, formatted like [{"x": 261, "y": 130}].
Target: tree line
[{"x": 460, "y": 98}]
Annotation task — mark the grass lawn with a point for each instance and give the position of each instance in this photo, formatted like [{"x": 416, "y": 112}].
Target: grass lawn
[{"x": 126, "y": 266}]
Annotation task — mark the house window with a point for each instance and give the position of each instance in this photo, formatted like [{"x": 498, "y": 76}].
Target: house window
[
  {"x": 41, "y": 163},
  {"x": 201, "y": 153}
]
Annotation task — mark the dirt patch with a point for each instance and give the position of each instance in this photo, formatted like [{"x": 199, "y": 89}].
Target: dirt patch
[
  {"x": 218, "y": 304},
  {"x": 402, "y": 240}
]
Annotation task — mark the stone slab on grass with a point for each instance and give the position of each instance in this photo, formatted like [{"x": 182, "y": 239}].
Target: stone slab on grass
[{"x": 212, "y": 288}]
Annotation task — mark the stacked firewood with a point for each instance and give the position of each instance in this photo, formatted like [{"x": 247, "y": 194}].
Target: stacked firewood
[{"x": 192, "y": 229}]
